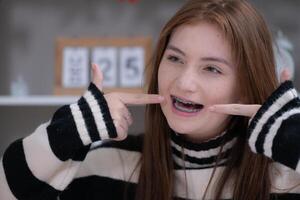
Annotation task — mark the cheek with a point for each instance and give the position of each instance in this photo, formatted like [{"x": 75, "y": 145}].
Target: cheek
[
  {"x": 161, "y": 81},
  {"x": 165, "y": 79},
  {"x": 222, "y": 93}
]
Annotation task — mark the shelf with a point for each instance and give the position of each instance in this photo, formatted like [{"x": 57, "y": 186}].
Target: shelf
[{"x": 37, "y": 100}]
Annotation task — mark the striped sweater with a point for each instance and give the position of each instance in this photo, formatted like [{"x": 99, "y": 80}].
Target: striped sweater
[{"x": 70, "y": 157}]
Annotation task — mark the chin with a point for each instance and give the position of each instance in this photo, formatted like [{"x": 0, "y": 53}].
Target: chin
[
  {"x": 195, "y": 132},
  {"x": 182, "y": 128}
]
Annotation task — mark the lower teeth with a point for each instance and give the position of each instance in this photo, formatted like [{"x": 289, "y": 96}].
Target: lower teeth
[{"x": 185, "y": 109}]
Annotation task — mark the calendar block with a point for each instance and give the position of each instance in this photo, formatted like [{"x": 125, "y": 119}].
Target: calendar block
[
  {"x": 132, "y": 62},
  {"x": 122, "y": 61},
  {"x": 106, "y": 58},
  {"x": 75, "y": 67}
]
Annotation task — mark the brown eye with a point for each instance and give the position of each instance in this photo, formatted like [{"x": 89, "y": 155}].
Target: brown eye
[
  {"x": 213, "y": 69},
  {"x": 174, "y": 59}
]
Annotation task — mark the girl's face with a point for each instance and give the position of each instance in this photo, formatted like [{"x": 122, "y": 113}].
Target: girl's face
[{"x": 197, "y": 70}]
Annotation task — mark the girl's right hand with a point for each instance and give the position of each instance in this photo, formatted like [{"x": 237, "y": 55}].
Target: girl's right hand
[{"x": 118, "y": 102}]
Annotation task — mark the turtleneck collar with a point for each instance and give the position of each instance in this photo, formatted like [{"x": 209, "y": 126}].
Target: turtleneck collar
[{"x": 191, "y": 155}]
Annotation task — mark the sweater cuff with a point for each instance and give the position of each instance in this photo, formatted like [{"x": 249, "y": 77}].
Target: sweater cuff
[
  {"x": 92, "y": 117},
  {"x": 265, "y": 125},
  {"x": 78, "y": 125}
]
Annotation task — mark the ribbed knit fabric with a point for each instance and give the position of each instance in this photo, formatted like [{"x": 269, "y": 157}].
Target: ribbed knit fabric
[
  {"x": 210, "y": 153},
  {"x": 81, "y": 124},
  {"x": 275, "y": 129}
]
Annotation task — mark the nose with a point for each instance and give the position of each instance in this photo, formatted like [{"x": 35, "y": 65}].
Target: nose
[{"x": 187, "y": 81}]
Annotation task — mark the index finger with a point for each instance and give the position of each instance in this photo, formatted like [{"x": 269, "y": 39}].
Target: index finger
[
  {"x": 236, "y": 109},
  {"x": 140, "y": 98}
]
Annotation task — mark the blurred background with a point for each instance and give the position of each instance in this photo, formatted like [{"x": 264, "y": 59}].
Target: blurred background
[{"x": 29, "y": 29}]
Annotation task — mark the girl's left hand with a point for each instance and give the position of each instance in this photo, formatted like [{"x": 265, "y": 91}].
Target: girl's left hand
[{"x": 244, "y": 109}]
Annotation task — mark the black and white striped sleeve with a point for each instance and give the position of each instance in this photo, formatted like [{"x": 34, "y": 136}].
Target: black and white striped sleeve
[
  {"x": 43, "y": 164},
  {"x": 275, "y": 129},
  {"x": 80, "y": 124}
]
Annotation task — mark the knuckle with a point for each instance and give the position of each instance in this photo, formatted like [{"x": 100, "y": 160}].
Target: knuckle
[
  {"x": 130, "y": 122},
  {"x": 121, "y": 131},
  {"x": 130, "y": 117},
  {"x": 121, "y": 137},
  {"x": 124, "y": 109}
]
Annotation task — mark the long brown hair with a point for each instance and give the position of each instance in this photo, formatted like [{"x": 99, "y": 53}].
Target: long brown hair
[{"x": 251, "y": 45}]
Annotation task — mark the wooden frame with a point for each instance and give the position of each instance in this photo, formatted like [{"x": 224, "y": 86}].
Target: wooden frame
[{"x": 144, "y": 43}]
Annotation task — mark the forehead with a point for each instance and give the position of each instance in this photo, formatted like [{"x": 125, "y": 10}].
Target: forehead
[{"x": 201, "y": 39}]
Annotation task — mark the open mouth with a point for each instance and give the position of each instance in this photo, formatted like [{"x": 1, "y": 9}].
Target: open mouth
[{"x": 185, "y": 106}]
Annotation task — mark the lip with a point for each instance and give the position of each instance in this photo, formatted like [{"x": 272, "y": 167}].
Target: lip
[{"x": 180, "y": 113}]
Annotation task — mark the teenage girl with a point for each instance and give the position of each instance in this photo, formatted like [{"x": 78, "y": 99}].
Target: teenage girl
[{"x": 218, "y": 124}]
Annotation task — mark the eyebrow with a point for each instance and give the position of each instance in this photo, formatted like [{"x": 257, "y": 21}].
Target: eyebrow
[
  {"x": 171, "y": 47},
  {"x": 214, "y": 59}
]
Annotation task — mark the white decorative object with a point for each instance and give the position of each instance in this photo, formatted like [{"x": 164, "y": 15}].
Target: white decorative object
[
  {"x": 132, "y": 66},
  {"x": 283, "y": 57},
  {"x": 19, "y": 87},
  {"x": 75, "y": 67},
  {"x": 106, "y": 58}
]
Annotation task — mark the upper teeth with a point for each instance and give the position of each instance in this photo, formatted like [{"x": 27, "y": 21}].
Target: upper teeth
[{"x": 183, "y": 101}]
